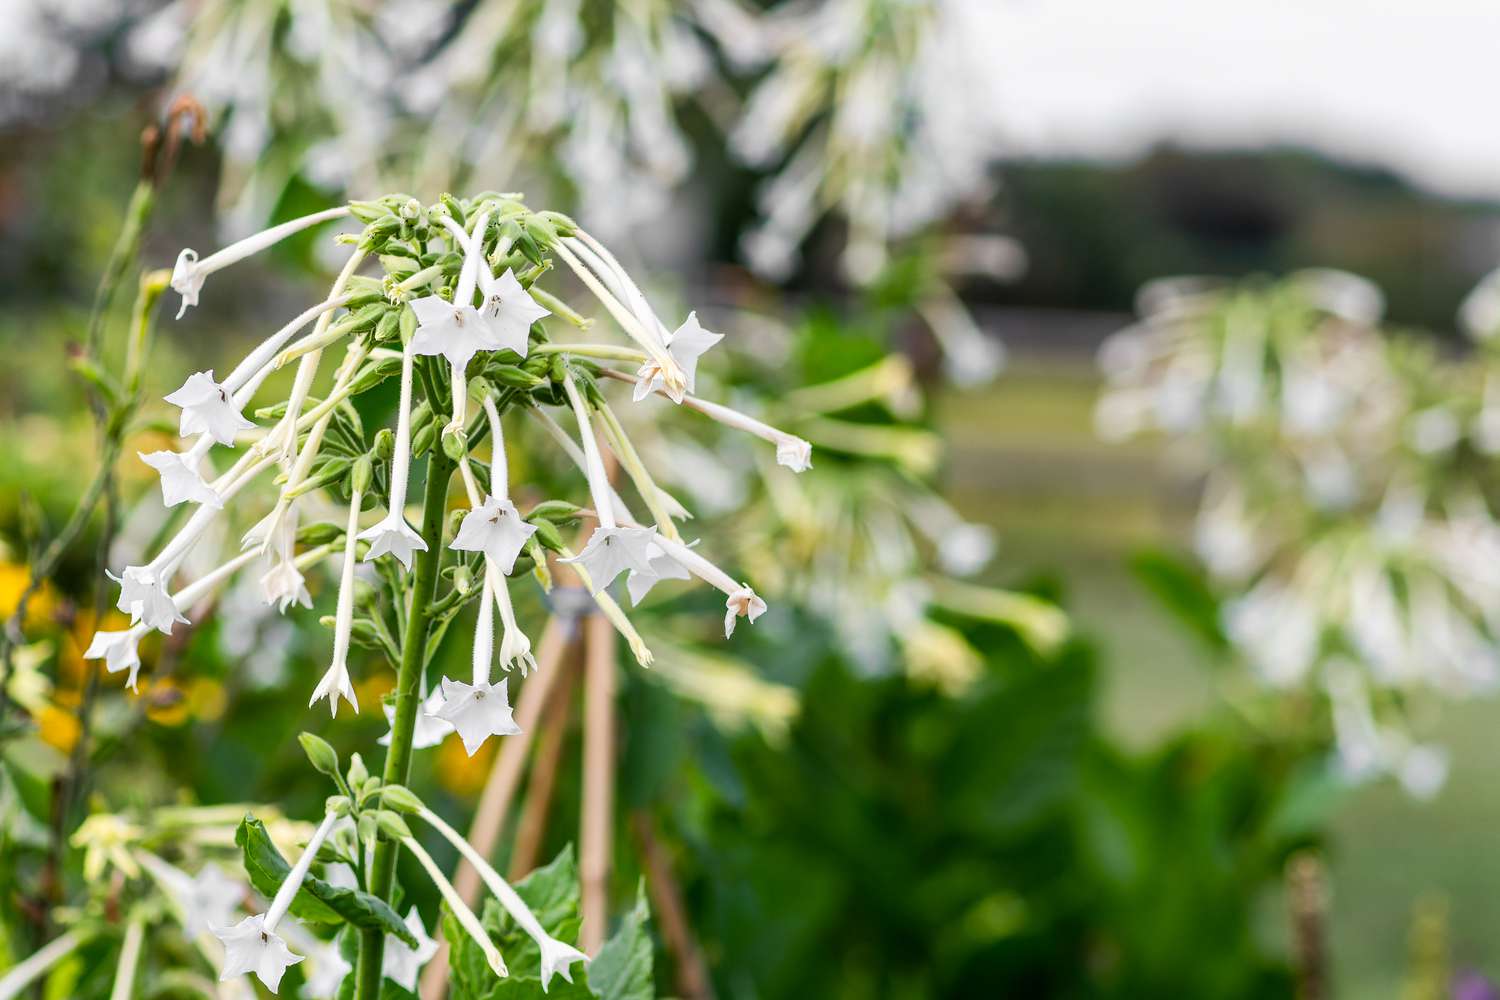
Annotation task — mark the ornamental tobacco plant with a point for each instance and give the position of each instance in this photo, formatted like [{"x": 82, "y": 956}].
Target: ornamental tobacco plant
[{"x": 459, "y": 317}]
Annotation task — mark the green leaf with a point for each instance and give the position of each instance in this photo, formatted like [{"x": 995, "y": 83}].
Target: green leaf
[
  {"x": 623, "y": 968},
  {"x": 316, "y": 900},
  {"x": 1184, "y": 591}
]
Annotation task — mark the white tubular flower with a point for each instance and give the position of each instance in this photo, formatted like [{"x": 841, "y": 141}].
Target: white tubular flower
[
  {"x": 465, "y": 916},
  {"x": 686, "y": 345},
  {"x": 202, "y": 901},
  {"x": 497, "y": 529},
  {"x": 741, "y": 602},
  {"x": 336, "y": 681},
  {"x": 660, "y": 567},
  {"x": 612, "y": 551},
  {"x": 259, "y": 363},
  {"x": 556, "y": 956},
  {"x": 509, "y": 310},
  {"x": 119, "y": 650},
  {"x": 456, "y": 330},
  {"x": 481, "y": 709},
  {"x": 143, "y": 595},
  {"x": 515, "y": 646},
  {"x": 190, "y": 273},
  {"x": 180, "y": 480},
  {"x": 252, "y": 945},
  {"x": 393, "y": 534},
  {"x": 326, "y": 969},
  {"x": 401, "y": 963},
  {"x": 283, "y": 584},
  {"x": 477, "y": 711},
  {"x": 429, "y": 730},
  {"x": 208, "y": 407},
  {"x": 791, "y": 451}
]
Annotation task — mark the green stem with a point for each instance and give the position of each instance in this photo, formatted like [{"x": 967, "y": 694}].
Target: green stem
[{"x": 413, "y": 659}]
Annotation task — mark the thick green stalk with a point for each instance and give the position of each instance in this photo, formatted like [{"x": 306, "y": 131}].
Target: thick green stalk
[{"x": 408, "y": 703}]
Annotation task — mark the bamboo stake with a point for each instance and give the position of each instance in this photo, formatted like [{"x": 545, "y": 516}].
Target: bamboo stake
[
  {"x": 540, "y": 787},
  {"x": 597, "y": 821}
]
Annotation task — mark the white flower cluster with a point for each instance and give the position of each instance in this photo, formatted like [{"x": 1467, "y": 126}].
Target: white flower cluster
[
  {"x": 1344, "y": 516},
  {"x": 445, "y": 301}
]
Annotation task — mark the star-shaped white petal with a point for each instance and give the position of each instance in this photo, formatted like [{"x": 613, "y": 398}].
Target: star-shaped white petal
[
  {"x": 508, "y": 310},
  {"x": 742, "y": 603},
  {"x": 687, "y": 344},
  {"x": 249, "y": 947},
  {"x": 497, "y": 529},
  {"x": 284, "y": 586},
  {"x": 457, "y": 332},
  {"x": 144, "y": 597},
  {"x": 187, "y": 280},
  {"x": 326, "y": 970},
  {"x": 612, "y": 551},
  {"x": 557, "y": 956},
  {"x": 395, "y": 537},
  {"x": 477, "y": 711},
  {"x": 335, "y": 683},
  {"x": 429, "y": 730},
  {"x": 208, "y": 407},
  {"x": 179, "y": 480},
  {"x": 119, "y": 650},
  {"x": 794, "y": 453},
  {"x": 660, "y": 567},
  {"x": 402, "y": 963}
]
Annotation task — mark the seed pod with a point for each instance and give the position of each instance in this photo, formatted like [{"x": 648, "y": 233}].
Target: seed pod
[{"x": 389, "y": 327}]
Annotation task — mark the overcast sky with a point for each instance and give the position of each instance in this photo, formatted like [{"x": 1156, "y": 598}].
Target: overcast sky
[{"x": 1410, "y": 85}]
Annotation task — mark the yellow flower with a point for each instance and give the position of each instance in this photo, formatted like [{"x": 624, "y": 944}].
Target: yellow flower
[
  {"x": 461, "y": 774},
  {"x": 166, "y": 702},
  {"x": 13, "y": 580},
  {"x": 57, "y": 727}
]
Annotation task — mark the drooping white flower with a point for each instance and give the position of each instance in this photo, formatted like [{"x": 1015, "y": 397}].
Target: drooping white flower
[
  {"x": 515, "y": 645},
  {"x": 249, "y": 946},
  {"x": 252, "y": 945},
  {"x": 143, "y": 596},
  {"x": 180, "y": 480},
  {"x": 556, "y": 956},
  {"x": 456, "y": 330},
  {"x": 189, "y": 273},
  {"x": 686, "y": 345},
  {"x": 660, "y": 567},
  {"x": 461, "y": 911},
  {"x": 478, "y": 711},
  {"x": 203, "y": 900},
  {"x": 335, "y": 682},
  {"x": 612, "y": 551},
  {"x": 794, "y": 453},
  {"x": 401, "y": 963},
  {"x": 393, "y": 534},
  {"x": 743, "y": 603},
  {"x": 208, "y": 407},
  {"x": 429, "y": 730},
  {"x": 326, "y": 969},
  {"x": 508, "y": 310},
  {"x": 119, "y": 651},
  {"x": 497, "y": 529},
  {"x": 283, "y": 584}
]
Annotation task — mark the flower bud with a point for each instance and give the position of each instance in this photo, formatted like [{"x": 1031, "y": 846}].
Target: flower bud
[
  {"x": 455, "y": 443},
  {"x": 408, "y": 325},
  {"x": 363, "y": 471},
  {"x": 385, "y": 444},
  {"x": 337, "y": 804},
  {"x": 320, "y": 753},
  {"x": 401, "y": 798},
  {"x": 547, "y": 534},
  {"x": 555, "y": 510},
  {"x": 357, "y": 771},
  {"x": 319, "y": 533},
  {"x": 391, "y": 824}
]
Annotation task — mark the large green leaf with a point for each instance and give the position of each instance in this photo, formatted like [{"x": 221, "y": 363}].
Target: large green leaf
[
  {"x": 316, "y": 901},
  {"x": 623, "y": 969}
]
